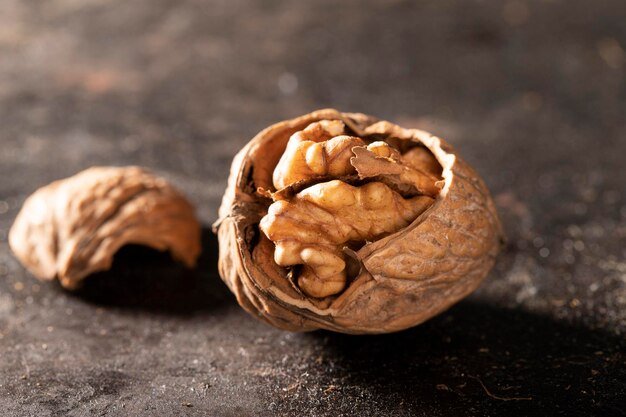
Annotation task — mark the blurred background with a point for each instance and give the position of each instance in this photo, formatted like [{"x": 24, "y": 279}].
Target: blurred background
[{"x": 532, "y": 93}]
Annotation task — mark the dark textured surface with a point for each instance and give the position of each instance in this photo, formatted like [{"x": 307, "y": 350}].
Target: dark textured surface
[{"x": 531, "y": 93}]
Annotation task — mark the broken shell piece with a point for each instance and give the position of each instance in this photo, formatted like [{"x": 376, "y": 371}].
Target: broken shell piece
[{"x": 73, "y": 227}]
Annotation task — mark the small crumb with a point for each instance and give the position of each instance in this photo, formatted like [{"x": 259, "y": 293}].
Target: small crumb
[
  {"x": 515, "y": 13},
  {"x": 611, "y": 53},
  {"x": 330, "y": 389},
  {"x": 483, "y": 350},
  {"x": 574, "y": 230},
  {"x": 574, "y": 303},
  {"x": 99, "y": 82},
  {"x": 187, "y": 404},
  {"x": 538, "y": 242},
  {"x": 291, "y": 387},
  {"x": 287, "y": 83},
  {"x": 50, "y": 329},
  {"x": 532, "y": 101},
  {"x": 580, "y": 209},
  {"x": 442, "y": 387},
  {"x": 611, "y": 197},
  {"x": 18, "y": 286}
]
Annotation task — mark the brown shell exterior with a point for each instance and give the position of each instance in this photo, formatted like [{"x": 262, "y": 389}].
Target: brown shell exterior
[
  {"x": 405, "y": 279},
  {"x": 73, "y": 227}
]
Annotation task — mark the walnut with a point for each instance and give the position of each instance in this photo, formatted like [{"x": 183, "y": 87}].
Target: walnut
[
  {"x": 339, "y": 221},
  {"x": 73, "y": 227}
]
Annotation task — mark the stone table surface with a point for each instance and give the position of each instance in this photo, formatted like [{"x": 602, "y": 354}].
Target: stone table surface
[{"x": 532, "y": 93}]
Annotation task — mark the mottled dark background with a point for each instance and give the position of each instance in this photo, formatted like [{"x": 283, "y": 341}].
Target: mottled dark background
[{"x": 532, "y": 93}]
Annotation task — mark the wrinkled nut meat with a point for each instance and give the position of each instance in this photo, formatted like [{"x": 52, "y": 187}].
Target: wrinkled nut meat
[
  {"x": 73, "y": 227},
  {"x": 339, "y": 221}
]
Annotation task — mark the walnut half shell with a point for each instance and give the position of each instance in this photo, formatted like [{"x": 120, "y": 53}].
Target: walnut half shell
[
  {"x": 339, "y": 221},
  {"x": 73, "y": 227}
]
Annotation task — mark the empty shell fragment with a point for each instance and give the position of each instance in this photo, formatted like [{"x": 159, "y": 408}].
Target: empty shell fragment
[{"x": 73, "y": 227}]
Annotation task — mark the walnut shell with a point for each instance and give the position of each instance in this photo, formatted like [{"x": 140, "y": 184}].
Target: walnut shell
[
  {"x": 405, "y": 278},
  {"x": 73, "y": 227}
]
